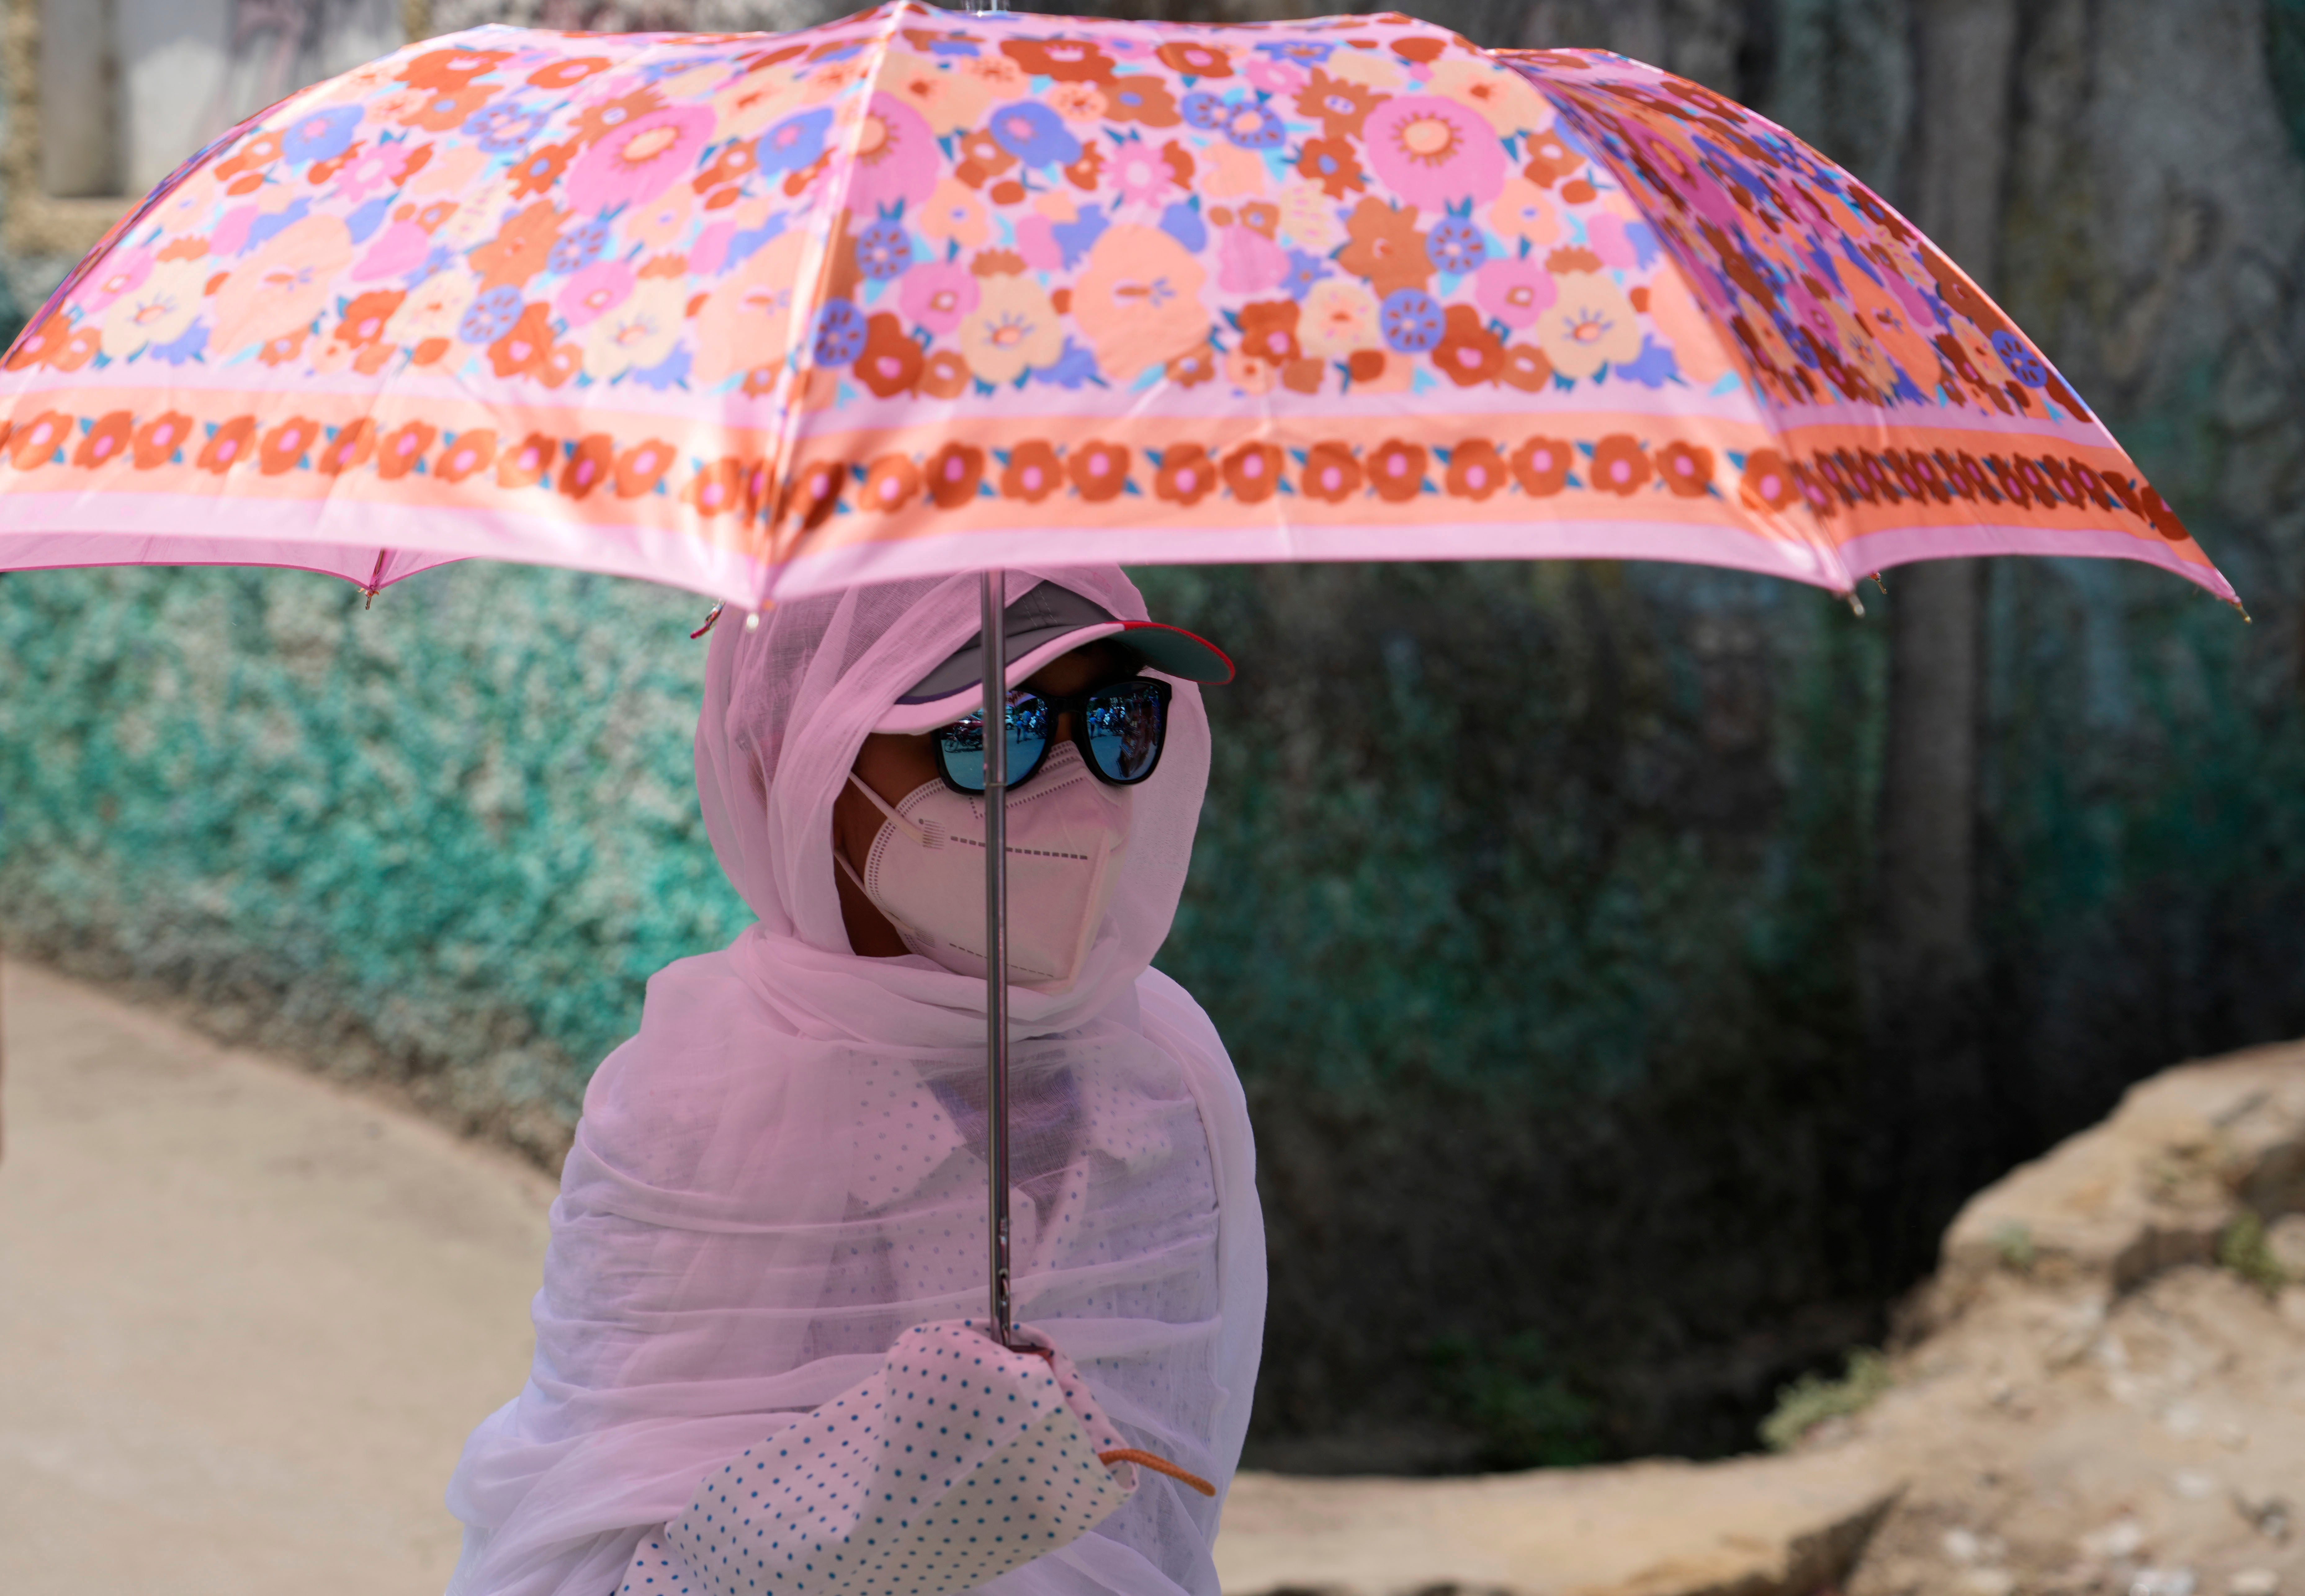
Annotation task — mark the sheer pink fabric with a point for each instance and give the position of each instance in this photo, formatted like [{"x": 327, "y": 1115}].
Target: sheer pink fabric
[{"x": 783, "y": 1170}]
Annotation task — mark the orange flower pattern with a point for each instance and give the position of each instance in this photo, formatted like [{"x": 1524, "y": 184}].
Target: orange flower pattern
[{"x": 1433, "y": 273}]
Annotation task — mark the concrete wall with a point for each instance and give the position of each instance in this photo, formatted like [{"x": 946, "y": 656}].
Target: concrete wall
[
  {"x": 103, "y": 98},
  {"x": 190, "y": 69}
]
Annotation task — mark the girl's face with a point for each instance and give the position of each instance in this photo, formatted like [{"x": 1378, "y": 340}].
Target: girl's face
[{"x": 894, "y": 766}]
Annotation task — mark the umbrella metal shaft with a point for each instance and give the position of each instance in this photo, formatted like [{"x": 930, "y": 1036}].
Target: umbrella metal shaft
[
  {"x": 994, "y": 597},
  {"x": 996, "y": 915}
]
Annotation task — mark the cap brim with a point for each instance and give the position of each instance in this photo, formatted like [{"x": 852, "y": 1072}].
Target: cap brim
[
  {"x": 1174, "y": 651},
  {"x": 1171, "y": 650}
]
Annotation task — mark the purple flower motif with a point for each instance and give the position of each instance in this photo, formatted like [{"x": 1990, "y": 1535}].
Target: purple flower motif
[
  {"x": 189, "y": 345},
  {"x": 669, "y": 372},
  {"x": 1182, "y": 222},
  {"x": 368, "y": 217},
  {"x": 741, "y": 246},
  {"x": 1304, "y": 269},
  {"x": 501, "y": 129},
  {"x": 883, "y": 251},
  {"x": 578, "y": 248},
  {"x": 794, "y": 142},
  {"x": 839, "y": 334},
  {"x": 322, "y": 136},
  {"x": 492, "y": 316},
  {"x": 1411, "y": 320},
  {"x": 278, "y": 221},
  {"x": 1075, "y": 237},
  {"x": 2023, "y": 364},
  {"x": 951, "y": 47},
  {"x": 1303, "y": 51},
  {"x": 437, "y": 260},
  {"x": 1254, "y": 125},
  {"x": 1653, "y": 368},
  {"x": 1035, "y": 134},
  {"x": 1456, "y": 246},
  {"x": 1071, "y": 369},
  {"x": 657, "y": 71},
  {"x": 1204, "y": 111}
]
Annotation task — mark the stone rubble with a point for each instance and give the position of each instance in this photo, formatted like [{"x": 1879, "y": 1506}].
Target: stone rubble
[{"x": 2086, "y": 1405}]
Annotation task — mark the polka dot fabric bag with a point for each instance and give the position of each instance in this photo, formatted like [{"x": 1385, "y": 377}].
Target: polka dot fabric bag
[{"x": 959, "y": 1461}]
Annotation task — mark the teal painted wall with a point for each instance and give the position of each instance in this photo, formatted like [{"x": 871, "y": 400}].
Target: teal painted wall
[
  {"x": 446, "y": 839},
  {"x": 1528, "y": 899}
]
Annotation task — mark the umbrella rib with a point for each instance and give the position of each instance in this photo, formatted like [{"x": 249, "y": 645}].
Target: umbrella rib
[{"x": 801, "y": 335}]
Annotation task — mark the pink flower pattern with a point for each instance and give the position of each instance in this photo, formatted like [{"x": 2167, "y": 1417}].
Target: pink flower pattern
[
  {"x": 1354, "y": 222},
  {"x": 640, "y": 159},
  {"x": 1433, "y": 152},
  {"x": 897, "y": 158}
]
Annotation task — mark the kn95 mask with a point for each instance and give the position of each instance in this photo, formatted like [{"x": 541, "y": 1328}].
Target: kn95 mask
[{"x": 1067, "y": 834}]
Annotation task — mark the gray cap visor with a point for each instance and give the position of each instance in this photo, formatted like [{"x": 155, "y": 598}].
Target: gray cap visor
[{"x": 1046, "y": 623}]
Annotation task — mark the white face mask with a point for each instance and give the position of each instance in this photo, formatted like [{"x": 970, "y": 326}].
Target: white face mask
[{"x": 1067, "y": 832}]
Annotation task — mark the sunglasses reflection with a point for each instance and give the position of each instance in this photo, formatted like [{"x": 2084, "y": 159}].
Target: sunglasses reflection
[{"x": 1119, "y": 730}]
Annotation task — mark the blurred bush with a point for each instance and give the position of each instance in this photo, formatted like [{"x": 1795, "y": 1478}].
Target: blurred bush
[{"x": 1812, "y": 1399}]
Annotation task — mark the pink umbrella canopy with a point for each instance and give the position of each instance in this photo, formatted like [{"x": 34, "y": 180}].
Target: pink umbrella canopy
[{"x": 924, "y": 293}]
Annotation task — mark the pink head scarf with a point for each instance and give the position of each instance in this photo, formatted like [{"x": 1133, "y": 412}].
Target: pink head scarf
[
  {"x": 784, "y": 1169},
  {"x": 787, "y": 707}
]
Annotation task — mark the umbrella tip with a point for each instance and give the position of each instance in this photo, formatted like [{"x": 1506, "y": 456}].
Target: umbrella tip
[
  {"x": 709, "y": 621},
  {"x": 1880, "y": 585},
  {"x": 2243, "y": 610},
  {"x": 1855, "y": 604},
  {"x": 368, "y": 602}
]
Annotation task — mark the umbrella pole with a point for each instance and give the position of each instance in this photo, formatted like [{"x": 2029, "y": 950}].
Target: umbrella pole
[{"x": 993, "y": 598}]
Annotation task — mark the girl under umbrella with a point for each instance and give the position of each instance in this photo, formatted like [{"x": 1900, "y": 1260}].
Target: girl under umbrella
[{"x": 784, "y": 1170}]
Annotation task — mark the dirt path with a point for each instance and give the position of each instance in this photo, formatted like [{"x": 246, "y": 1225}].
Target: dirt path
[{"x": 246, "y": 1317}]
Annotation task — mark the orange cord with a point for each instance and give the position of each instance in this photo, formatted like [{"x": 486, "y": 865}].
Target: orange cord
[{"x": 1159, "y": 1465}]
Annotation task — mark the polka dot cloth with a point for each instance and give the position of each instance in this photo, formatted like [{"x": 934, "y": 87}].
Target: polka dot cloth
[{"x": 959, "y": 1461}]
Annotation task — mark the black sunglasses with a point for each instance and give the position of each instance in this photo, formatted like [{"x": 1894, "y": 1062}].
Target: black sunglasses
[{"x": 1119, "y": 731}]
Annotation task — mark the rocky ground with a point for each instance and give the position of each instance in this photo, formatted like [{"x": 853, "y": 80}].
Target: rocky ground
[
  {"x": 2105, "y": 1386},
  {"x": 2101, "y": 1393},
  {"x": 246, "y": 1317}
]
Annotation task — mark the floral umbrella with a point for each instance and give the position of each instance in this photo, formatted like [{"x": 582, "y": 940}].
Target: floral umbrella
[{"x": 919, "y": 293}]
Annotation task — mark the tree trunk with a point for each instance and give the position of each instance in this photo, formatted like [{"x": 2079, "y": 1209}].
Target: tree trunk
[{"x": 1929, "y": 1081}]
